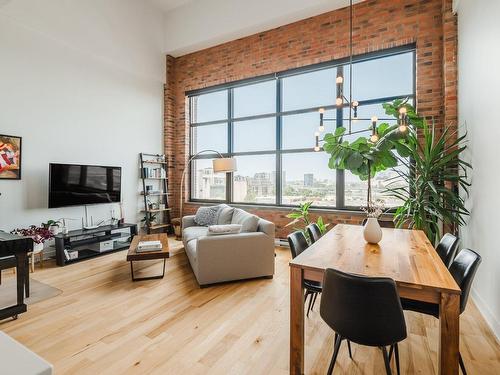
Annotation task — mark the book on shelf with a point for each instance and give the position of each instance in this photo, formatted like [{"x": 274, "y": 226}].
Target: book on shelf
[
  {"x": 144, "y": 246},
  {"x": 148, "y": 172}
]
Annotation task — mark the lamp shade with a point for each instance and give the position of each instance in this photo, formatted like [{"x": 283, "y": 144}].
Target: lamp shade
[{"x": 224, "y": 165}]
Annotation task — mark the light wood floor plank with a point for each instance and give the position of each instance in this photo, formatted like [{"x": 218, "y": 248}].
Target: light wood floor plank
[{"x": 103, "y": 323}]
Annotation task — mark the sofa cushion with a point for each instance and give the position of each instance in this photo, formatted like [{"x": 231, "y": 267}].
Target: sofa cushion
[
  {"x": 206, "y": 216},
  {"x": 249, "y": 222},
  {"x": 225, "y": 214},
  {"x": 192, "y": 233},
  {"x": 217, "y": 230}
]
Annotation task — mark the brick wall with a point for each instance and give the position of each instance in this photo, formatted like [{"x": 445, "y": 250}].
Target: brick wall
[{"x": 378, "y": 24}]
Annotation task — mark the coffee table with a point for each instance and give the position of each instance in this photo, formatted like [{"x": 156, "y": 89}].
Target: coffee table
[{"x": 133, "y": 255}]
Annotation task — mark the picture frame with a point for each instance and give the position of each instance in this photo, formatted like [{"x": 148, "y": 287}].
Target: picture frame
[{"x": 10, "y": 157}]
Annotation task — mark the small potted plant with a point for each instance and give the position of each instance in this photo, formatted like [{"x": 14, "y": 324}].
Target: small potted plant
[
  {"x": 39, "y": 236},
  {"x": 52, "y": 226}
]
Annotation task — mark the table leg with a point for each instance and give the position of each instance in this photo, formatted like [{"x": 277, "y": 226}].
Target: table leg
[
  {"x": 21, "y": 274},
  {"x": 449, "y": 333},
  {"x": 296, "y": 321}
]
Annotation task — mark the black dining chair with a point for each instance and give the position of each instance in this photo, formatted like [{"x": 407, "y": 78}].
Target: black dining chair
[
  {"x": 364, "y": 310},
  {"x": 447, "y": 248},
  {"x": 298, "y": 244},
  {"x": 463, "y": 269},
  {"x": 313, "y": 232}
]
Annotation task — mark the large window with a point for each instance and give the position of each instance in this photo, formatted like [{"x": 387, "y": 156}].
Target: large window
[{"x": 268, "y": 125}]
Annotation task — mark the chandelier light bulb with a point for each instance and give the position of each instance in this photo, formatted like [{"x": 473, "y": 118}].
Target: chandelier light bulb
[
  {"x": 316, "y": 148},
  {"x": 316, "y": 134},
  {"x": 321, "y": 129},
  {"x": 403, "y": 128},
  {"x": 339, "y": 79},
  {"x": 374, "y": 119},
  {"x": 338, "y": 101},
  {"x": 374, "y": 138},
  {"x": 321, "y": 110},
  {"x": 402, "y": 110}
]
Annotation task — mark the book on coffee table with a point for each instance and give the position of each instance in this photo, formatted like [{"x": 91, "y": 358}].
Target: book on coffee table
[{"x": 144, "y": 246}]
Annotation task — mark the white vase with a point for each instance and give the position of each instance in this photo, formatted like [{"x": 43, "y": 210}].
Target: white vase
[{"x": 372, "y": 231}]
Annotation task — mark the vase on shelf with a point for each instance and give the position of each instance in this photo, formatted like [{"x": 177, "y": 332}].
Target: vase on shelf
[{"x": 372, "y": 231}]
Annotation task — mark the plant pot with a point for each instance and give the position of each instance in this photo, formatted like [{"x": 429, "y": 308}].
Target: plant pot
[
  {"x": 372, "y": 231},
  {"x": 54, "y": 229},
  {"x": 37, "y": 247}
]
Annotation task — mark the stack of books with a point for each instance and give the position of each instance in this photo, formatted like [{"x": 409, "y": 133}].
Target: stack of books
[{"x": 145, "y": 246}]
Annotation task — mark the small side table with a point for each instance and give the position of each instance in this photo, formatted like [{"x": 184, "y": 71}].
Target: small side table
[{"x": 134, "y": 256}]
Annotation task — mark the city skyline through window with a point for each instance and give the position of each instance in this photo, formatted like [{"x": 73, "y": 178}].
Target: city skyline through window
[{"x": 268, "y": 126}]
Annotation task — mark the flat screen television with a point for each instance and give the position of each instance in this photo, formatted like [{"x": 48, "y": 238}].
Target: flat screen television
[{"x": 78, "y": 185}]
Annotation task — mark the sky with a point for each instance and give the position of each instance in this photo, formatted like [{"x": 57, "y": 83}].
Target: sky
[{"x": 371, "y": 79}]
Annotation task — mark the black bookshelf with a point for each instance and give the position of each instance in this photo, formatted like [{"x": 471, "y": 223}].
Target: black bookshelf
[{"x": 84, "y": 242}]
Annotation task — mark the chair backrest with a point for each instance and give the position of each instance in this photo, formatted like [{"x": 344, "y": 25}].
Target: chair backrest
[
  {"x": 447, "y": 248},
  {"x": 314, "y": 232},
  {"x": 297, "y": 242},
  {"x": 366, "y": 310},
  {"x": 463, "y": 268}
]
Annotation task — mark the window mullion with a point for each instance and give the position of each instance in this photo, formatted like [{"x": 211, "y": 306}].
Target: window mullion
[
  {"x": 279, "y": 173},
  {"x": 340, "y": 175},
  {"x": 230, "y": 141}
]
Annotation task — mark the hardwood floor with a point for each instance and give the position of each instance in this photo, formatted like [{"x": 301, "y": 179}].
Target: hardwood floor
[{"x": 103, "y": 323}]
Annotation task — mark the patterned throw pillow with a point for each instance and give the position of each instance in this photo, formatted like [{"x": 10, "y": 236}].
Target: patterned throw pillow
[{"x": 206, "y": 216}]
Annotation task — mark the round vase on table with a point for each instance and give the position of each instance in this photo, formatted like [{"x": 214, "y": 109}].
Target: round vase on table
[{"x": 372, "y": 231}]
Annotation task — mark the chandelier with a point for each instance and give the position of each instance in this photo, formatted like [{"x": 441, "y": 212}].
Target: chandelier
[{"x": 341, "y": 101}]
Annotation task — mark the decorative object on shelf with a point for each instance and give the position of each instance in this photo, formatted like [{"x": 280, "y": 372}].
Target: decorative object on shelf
[
  {"x": 39, "y": 236},
  {"x": 300, "y": 215},
  {"x": 431, "y": 195},
  {"x": 220, "y": 164},
  {"x": 372, "y": 231},
  {"x": 156, "y": 207},
  {"x": 52, "y": 226},
  {"x": 10, "y": 157}
]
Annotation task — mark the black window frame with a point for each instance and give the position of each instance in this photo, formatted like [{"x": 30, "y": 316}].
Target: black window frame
[{"x": 279, "y": 114}]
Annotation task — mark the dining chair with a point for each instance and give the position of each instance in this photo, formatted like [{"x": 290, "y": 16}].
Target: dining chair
[
  {"x": 314, "y": 232},
  {"x": 298, "y": 244},
  {"x": 351, "y": 306},
  {"x": 447, "y": 248},
  {"x": 463, "y": 269}
]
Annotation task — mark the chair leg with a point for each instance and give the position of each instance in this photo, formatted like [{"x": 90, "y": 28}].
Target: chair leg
[
  {"x": 396, "y": 352},
  {"x": 314, "y": 301},
  {"x": 310, "y": 303},
  {"x": 462, "y": 366},
  {"x": 386, "y": 360},
  {"x": 390, "y": 352},
  {"x": 349, "y": 347},
  {"x": 27, "y": 280},
  {"x": 338, "y": 340}
]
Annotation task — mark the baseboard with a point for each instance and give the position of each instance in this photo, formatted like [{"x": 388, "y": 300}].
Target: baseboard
[{"x": 487, "y": 314}]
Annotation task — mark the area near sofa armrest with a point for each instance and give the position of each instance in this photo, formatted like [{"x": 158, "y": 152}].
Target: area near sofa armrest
[
  {"x": 188, "y": 221},
  {"x": 266, "y": 227}
]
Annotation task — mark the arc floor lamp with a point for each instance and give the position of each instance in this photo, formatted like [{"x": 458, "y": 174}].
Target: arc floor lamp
[{"x": 220, "y": 164}]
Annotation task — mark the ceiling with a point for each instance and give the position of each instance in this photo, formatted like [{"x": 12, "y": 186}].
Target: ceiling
[{"x": 192, "y": 25}]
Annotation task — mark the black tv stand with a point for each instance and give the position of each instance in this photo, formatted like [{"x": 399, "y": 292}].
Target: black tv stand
[{"x": 84, "y": 243}]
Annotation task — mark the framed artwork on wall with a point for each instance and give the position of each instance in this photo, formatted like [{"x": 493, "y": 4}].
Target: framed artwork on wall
[{"x": 10, "y": 157}]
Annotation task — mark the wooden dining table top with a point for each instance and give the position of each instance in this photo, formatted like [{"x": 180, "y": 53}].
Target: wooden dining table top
[{"x": 404, "y": 255}]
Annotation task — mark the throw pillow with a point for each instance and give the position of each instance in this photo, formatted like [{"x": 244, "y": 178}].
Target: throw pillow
[
  {"x": 225, "y": 214},
  {"x": 224, "y": 229},
  {"x": 206, "y": 216},
  {"x": 249, "y": 222}
]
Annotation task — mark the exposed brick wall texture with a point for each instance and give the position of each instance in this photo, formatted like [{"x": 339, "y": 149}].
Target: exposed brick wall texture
[{"x": 378, "y": 25}]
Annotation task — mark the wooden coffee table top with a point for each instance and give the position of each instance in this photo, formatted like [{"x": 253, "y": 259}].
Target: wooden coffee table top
[{"x": 147, "y": 255}]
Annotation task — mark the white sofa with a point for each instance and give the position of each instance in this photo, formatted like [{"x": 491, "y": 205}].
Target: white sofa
[{"x": 220, "y": 258}]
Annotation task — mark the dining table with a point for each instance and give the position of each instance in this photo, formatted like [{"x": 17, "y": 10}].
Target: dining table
[{"x": 404, "y": 255}]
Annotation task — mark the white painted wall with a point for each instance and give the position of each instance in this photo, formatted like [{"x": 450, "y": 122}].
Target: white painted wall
[
  {"x": 201, "y": 24},
  {"x": 479, "y": 95},
  {"x": 81, "y": 82}
]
